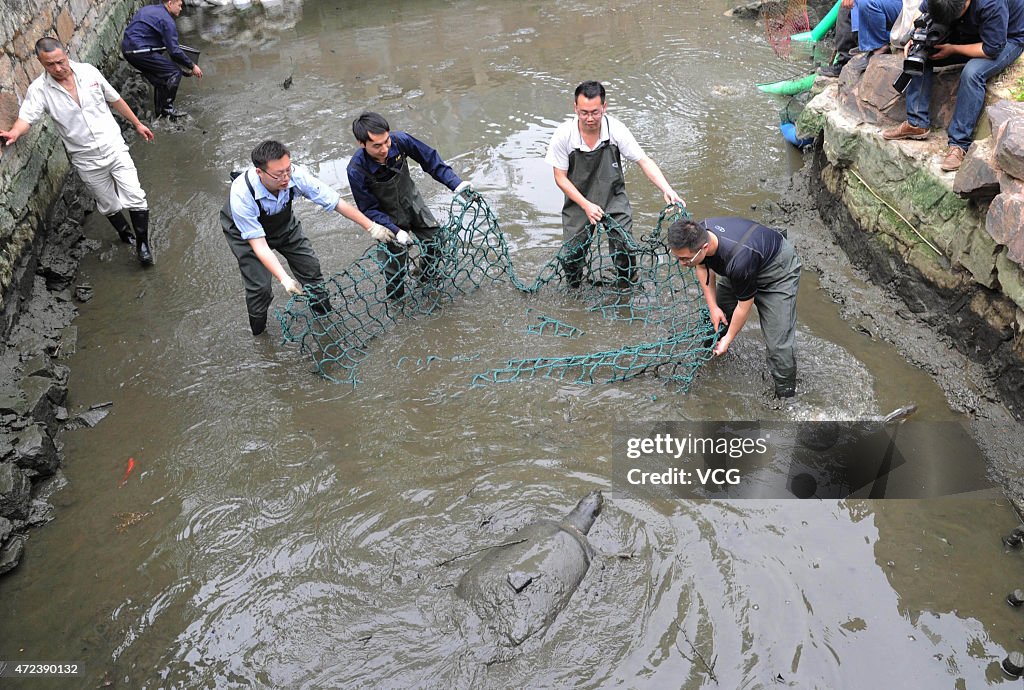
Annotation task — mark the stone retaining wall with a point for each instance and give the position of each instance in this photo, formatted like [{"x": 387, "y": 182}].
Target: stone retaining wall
[
  {"x": 42, "y": 207},
  {"x": 33, "y": 171},
  {"x": 950, "y": 244}
]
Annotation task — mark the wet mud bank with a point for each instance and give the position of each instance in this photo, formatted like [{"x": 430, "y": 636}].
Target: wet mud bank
[
  {"x": 973, "y": 320},
  {"x": 939, "y": 254},
  {"x": 887, "y": 299},
  {"x": 33, "y": 379},
  {"x": 36, "y": 325},
  {"x": 948, "y": 244},
  {"x": 42, "y": 208}
]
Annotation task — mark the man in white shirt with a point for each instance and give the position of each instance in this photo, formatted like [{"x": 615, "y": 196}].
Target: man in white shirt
[
  {"x": 586, "y": 154},
  {"x": 79, "y": 99}
]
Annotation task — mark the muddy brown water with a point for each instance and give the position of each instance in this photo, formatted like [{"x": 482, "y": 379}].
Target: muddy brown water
[{"x": 282, "y": 531}]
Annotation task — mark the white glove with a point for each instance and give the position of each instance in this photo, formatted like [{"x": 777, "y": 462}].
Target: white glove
[
  {"x": 380, "y": 233},
  {"x": 464, "y": 187},
  {"x": 291, "y": 285},
  {"x": 402, "y": 237}
]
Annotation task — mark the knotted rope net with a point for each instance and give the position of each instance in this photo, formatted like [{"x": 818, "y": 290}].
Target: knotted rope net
[
  {"x": 782, "y": 19},
  {"x": 624, "y": 279}
]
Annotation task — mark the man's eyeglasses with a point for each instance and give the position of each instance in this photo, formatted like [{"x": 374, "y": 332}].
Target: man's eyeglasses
[
  {"x": 695, "y": 258},
  {"x": 588, "y": 114},
  {"x": 277, "y": 177}
]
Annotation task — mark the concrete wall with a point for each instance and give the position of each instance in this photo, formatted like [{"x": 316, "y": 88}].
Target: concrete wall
[{"x": 33, "y": 170}]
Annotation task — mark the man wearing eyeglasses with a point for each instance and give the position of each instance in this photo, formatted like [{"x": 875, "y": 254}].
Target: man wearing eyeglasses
[
  {"x": 586, "y": 155},
  {"x": 258, "y": 219},
  {"x": 741, "y": 263},
  {"x": 378, "y": 175}
]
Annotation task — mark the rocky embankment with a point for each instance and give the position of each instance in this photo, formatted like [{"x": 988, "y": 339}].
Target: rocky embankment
[
  {"x": 34, "y": 381},
  {"x": 949, "y": 245}
]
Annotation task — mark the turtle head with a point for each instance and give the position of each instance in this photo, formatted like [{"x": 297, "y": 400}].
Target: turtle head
[
  {"x": 899, "y": 414},
  {"x": 582, "y": 516}
]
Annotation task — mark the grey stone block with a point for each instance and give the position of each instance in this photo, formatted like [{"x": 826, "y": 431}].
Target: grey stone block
[
  {"x": 35, "y": 451},
  {"x": 10, "y": 553},
  {"x": 977, "y": 178},
  {"x": 15, "y": 490},
  {"x": 1009, "y": 149}
]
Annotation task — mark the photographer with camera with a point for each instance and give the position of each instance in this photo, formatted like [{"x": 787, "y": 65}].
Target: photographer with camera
[{"x": 986, "y": 34}]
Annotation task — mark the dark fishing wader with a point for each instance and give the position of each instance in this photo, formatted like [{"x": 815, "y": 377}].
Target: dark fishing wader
[
  {"x": 284, "y": 234},
  {"x": 598, "y": 176},
  {"x": 777, "y": 285},
  {"x": 398, "y": 197}
]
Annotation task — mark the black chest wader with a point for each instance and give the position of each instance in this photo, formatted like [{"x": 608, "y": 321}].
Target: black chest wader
[
  {"x": 398, "y": 197},
  {"x": 598, "y": 176},
  {"x": 283, "y": 234},
  {"x": 778, "y": 282}
]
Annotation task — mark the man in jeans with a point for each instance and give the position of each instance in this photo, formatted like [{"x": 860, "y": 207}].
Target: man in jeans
[{"x": 986, "y": 34}]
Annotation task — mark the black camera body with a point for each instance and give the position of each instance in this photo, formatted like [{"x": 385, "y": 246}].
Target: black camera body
[{"x": 927, "y": 34}]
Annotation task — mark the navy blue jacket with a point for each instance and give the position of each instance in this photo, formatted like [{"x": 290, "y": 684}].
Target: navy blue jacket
[
  {"x": 990, "y": 22},
  {"x": 153, "y": 27},
  {"x": 428, "y": 158}
]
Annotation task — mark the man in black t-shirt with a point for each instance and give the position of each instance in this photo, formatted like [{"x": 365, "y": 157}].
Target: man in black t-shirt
[{"x": 741, "y": 263}]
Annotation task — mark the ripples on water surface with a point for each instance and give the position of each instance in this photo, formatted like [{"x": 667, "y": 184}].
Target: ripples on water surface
[{"x": 294, "y": 527}]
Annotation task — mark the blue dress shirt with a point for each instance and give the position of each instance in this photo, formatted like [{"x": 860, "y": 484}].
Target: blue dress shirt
[{"x": 243, "y": 206}]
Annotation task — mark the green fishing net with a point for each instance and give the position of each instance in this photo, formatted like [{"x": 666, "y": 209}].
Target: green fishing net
[{"x": 629, "y": 280}]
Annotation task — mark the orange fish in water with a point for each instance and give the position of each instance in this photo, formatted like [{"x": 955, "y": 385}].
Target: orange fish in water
[{"x": 128, "y": 470}]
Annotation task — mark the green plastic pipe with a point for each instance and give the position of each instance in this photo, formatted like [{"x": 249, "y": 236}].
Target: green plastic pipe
[
  {"x": 790, "y": 87},
  {"x": 818, "y": 32}
]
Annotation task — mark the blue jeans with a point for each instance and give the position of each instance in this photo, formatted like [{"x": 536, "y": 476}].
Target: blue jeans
[
  {"x": 876, "y": 20},
  {"x": 970, "y": 99}
]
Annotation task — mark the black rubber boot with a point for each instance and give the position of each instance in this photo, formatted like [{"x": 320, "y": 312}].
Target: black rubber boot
[
  {"x": 124, "y": 231},
  {"x": 320, "y": 305},
  {"x": 430, "y": 263},
  {"x": 167, "y": 108},
  {"x": 258, "y": 324},
  {"x": 625, "y": 270},
  {"x": 172, "y": 113},
  {"x": 159, "y": 99},
  {"x": 573, "y": 269},
  {"x": 397, "y": 256},
  {"x": 140, "y": 219},
  {"x": 785, "y": 389}
]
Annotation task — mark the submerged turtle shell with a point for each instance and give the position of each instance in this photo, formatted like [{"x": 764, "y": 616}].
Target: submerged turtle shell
[{"x": 520, "y": 588}]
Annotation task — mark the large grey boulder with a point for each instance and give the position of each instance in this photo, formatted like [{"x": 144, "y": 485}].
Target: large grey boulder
[
  {"x": 1009, "y": 149},
  {"x": 15, "y": 491},
  {"x": 978, "y": 177},
  {"x": 36, "y": 452},
  {"x": 1005, "y": 218}
]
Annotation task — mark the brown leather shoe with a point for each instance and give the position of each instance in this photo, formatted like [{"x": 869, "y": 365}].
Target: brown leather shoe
[
  {"x": 954, "y": 157},
  {"x": 905, "y": 130}
]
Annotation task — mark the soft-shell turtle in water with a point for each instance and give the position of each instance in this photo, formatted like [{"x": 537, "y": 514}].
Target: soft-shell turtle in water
[{"x": 519, "y": 588}]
